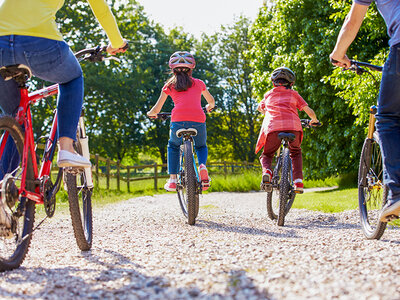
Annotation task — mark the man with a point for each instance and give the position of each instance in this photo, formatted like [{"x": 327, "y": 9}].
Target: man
[{"x": 388, "y": 116}]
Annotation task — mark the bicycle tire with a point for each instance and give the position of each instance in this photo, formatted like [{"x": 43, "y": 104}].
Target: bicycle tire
[
  {"x": 191, "y": 186},
  {"x": 80, "y": 206},
  {"x": 14, "y": 249},
  {"x": 372, "y": 193},
  {"x": 181, "y": 185},
  {"x": 284, "y": 188}
]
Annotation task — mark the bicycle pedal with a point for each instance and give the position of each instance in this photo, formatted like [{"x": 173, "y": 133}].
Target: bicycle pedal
[
  {"x": 391, "y": 218},
  {"x": 5, "y": 232},
  {"x": 74, "y": 170},
  {"x": 267, "y": 187}
]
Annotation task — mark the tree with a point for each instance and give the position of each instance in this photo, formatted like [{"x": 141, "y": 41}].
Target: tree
[
  {"x": 233, "y": 127},
  {"x": 300, "y": 34}
]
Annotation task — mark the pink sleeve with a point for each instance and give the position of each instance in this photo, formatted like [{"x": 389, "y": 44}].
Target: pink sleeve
[
  {"x": 202, "y": 85},
  {"x": 166, "y": 90},
  {"x": 301, "y": 103}
]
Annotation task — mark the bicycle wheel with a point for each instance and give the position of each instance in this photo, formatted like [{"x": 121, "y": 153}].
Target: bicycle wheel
[
  {"x": 273, "y": 194},
  {"x": 80, "y": 205},
  {"x": 285, "y": 193},
  {"x": 187, "y": 187},
  {"x": 372, "y": 193},
  {"x": 14, "y": 246}
]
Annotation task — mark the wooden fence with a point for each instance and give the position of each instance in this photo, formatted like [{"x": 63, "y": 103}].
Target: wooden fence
[{"x": 109, "y": 169}]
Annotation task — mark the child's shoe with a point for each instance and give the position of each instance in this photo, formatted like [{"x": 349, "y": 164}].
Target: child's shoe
[
  {"x": 298, "y": 187},
  {"x": 170, "y": 185},
  {"x": 267, "y": 176},
  {"x": 205, "y": 179}
]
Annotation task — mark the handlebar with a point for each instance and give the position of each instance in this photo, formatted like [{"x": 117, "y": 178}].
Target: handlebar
[
  {"x": 165, "y": 115},
  {"x": 306, "y": 123},
  {"x": 357, "y": 66},
  {"x": 97, "y": 54}
]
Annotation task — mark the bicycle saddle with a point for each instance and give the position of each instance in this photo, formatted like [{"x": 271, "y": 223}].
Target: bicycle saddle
[
  {"x": 286, "y": 136},
  {"x": 20, "y": 73},
  {"x": 186, "y": 131}
]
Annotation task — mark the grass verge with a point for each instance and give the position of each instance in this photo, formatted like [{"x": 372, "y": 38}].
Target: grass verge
[{"x": 330, "y": 201}]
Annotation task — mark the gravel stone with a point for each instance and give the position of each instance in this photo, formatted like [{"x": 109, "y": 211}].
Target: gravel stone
[{"x": 143, "y": 249}]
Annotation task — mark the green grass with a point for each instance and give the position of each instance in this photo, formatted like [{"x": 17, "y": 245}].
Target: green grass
[
  {"x": 250, "y": 181},
  {"x": 330, "y": 201}
]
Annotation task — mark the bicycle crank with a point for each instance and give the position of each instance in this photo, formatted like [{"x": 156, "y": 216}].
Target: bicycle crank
[
  {"x": 49, "y": 196},
  {"x": 9, "y": 191}
]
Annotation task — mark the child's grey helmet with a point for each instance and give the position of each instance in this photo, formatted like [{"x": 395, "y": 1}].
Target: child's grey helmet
[{"x": 283, "y": 73}]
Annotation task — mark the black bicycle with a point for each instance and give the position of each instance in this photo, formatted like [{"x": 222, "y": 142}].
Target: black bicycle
[
  {"x": 372, "y": 192},
  {"x": 189, "y": 185},
  {"x": 281, "y": 190}
]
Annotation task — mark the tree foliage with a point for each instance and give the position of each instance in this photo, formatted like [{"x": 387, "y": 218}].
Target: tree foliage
[{"x": 300, "y": 34}]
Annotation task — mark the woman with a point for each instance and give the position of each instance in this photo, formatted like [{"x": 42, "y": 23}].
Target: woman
[{"x": 29, "y": 36}]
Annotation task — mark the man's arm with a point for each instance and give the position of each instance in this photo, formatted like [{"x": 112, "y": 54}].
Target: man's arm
[{"x": 348, "y": 33}]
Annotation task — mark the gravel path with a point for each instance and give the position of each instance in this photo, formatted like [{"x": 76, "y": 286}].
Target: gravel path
[{"x": 144, "y": 250}]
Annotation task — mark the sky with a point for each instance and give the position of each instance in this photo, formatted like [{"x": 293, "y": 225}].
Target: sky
[{"x": 197, "y": 16}]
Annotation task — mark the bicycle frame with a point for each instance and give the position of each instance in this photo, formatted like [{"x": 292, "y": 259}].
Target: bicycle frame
[
  {"x": 275, "y": 178},
  {"x": 24, "y": 118}
]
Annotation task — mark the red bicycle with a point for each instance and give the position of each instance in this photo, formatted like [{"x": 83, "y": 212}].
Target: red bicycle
[{"x": 24, "y": 185}]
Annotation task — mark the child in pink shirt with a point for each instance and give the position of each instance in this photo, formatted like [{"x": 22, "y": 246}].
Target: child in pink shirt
[
  {"x": 186, "y": 93},
  {"x": 280, "y": 107}
]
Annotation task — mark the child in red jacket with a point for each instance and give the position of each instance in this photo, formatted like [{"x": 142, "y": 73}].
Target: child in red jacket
[{"x": 280, "y": 107}]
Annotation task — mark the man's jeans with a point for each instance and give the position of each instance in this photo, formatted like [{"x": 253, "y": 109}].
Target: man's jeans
[
  {"x": 388, "y": 122},
  {"x": 52, "y": 61},
  {"x": 174, "y": 144}
]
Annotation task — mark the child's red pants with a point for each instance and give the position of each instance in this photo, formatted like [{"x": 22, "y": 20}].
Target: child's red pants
[{"x": 272, "y": 144}]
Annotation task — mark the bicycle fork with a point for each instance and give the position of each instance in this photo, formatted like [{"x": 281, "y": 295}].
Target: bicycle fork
[{"x": 84, "y": 141}]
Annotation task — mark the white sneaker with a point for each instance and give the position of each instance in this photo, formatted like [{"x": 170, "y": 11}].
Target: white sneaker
[{"x": 68, "y": 159}]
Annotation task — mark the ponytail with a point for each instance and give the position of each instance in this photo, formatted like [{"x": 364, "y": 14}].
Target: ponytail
[{"x": 180, "y": 79}]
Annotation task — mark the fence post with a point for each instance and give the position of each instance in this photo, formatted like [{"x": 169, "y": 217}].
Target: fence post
[
  {"x": 245, "y": 165},
  {"x": 108, "y": 173},
  {"x": 97, "y": 171},
  {"x": 128, "y": 177},
  {"x": 155, "y": 176},
  {"x": 225, "y": 170},
  {"x": 118, "y": 174}
]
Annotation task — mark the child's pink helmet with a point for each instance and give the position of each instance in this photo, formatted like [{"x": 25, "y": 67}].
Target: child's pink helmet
[{"x": 182, "y": 59}]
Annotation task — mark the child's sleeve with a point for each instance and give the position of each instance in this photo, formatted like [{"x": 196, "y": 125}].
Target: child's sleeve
[
  {"x": 202, "y": 85},
  {"x": 263, "y": 102},
  {"x": 166, "y": 89},
  {"x": 301, "y": 103}
]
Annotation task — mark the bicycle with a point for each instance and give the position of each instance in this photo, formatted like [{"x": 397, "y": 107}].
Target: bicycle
[
  {"x": 372, "y": 192},
  {"x": 23, "y": 185},
  {"x": 189, "y": 185},
  {"x": 281, "y": 190}
]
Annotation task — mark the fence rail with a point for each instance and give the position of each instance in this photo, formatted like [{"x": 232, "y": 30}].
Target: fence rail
[{"x": 109, "y": 169}]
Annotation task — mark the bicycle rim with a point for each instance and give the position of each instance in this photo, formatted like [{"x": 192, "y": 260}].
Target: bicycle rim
[
  {"x": 372, "y": 193},
  {"x": 284, "y": 188},
  {"x": 14, "y": 248},
  {"x": 181, "y": 186},
  {"x": 80, "y": 207}
]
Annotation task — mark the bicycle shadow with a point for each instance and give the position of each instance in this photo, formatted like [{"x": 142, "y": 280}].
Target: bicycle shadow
[
  {"x": 116, "y": 281},
  {"x": 244, "y": 230},
  {"x": 319, "y": 222}
]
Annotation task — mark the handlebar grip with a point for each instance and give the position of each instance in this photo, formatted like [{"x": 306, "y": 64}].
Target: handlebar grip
[
  {"x": 125, "y": 47},
  {"x": 334, "y": 61}
]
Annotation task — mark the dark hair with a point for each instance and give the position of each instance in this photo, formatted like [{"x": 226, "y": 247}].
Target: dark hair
[
  {"x": 180, "y": 79},
  {"x": 282, "y": 82}
]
